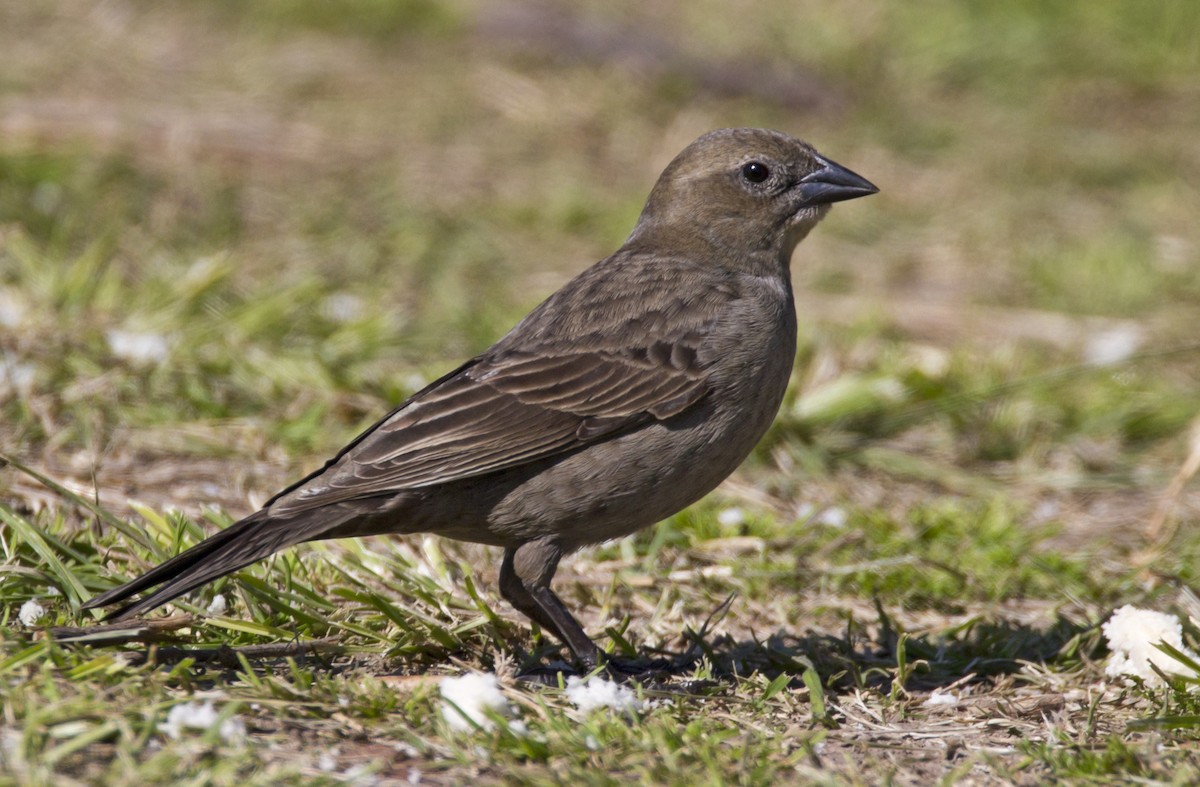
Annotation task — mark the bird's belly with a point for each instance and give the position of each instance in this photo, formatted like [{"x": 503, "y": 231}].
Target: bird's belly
[{"x": 619, "y": 486}]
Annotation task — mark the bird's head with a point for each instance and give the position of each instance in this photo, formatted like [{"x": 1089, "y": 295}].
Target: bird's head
[{"x": 747, "y": 190}]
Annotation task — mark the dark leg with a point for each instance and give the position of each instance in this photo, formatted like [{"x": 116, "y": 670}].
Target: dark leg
[{"x": 525, "y": 582}]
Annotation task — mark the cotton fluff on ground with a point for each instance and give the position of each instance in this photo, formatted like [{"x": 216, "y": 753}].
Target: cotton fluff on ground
[
  {"x": 468, "y": 699},
  {"x": 218, "y": 606},
  {"x": 201, "y": 716},
  {"x": 941, "y": 699},
  {"x": 1132, "y": 634},
  {"x": 138, "y": 347},
  {"x": 596, "y": 692},
  {"x": 31, "y": 612}
]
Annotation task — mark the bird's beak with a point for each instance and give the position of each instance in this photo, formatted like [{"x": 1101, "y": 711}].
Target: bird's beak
[{"x": 833, "y": 183}]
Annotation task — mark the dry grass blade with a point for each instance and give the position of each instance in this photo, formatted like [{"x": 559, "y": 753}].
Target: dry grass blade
[
  {"x": 235, "y": 657},
  {"x": 154, "y": 630},
  {"x": 100, "y": 512}
]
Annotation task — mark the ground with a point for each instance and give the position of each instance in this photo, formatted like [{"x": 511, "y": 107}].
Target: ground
[{"x": 231, "y": 236}]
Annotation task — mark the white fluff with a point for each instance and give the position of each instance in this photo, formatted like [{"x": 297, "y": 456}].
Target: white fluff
[
  {"x": 596, "y": 692},
  {"x": 341, "y": 307},
  {"x": 31, "y": 612},
  {"x": 833, "y": 517},
  {"x": 15, "y": 376},
  {"x": 327, "y": 760},
  {"x": 1132, "y": 634},
  {"x": 137, "y": 347},
  {"x": 731, "y": 517},
  {"x": 1113, "y": 346},
  {"x": 468, "y": 699},
  {"x": 201, "y": 716},
  {"x": 217, "y": 606},
  {"x": 12, "y": 309},
  {"x": 941, "y": 699}
]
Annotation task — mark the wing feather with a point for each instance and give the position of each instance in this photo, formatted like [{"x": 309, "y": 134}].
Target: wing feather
[{"x": 532, "y": 397}]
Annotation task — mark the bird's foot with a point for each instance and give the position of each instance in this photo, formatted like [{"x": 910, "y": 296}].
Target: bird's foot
[
  {"x": 659, "y": 674},
  {"x": 640, "y": 670},
  {"x": 555, "y": 674}
]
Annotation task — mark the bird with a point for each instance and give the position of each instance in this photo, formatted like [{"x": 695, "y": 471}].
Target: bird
[{"x": 623, "y": 398}]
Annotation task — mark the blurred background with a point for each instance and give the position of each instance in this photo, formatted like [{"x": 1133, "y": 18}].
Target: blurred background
[{"x": 231, "y": 234}]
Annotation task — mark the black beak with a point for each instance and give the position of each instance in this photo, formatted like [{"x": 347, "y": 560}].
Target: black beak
[{"x": 833, "y": 183}]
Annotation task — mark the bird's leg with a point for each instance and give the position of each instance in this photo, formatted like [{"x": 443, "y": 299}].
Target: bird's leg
[{"x": 525, "y": 582}]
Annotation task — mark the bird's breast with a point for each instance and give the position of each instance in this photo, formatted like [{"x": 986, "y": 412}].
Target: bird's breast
[{"x": 620, "y": 485}]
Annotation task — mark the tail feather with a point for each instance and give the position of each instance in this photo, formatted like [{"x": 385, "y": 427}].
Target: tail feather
[{"x": 237, "y": 546}]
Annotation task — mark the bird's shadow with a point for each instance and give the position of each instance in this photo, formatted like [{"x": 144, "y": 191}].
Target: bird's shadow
[
  {"x": 978, "y": 650},
  {"x": 876, "y": 657}
]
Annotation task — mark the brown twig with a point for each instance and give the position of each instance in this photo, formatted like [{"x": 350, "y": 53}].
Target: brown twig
[
  {"x": 228, "y": 657},
  {"x": 158, "y": 630},
  {"x": 153, "y": 630}
]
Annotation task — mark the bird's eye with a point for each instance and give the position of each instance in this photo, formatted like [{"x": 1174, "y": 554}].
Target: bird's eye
[{"x": 755, "y": 172}]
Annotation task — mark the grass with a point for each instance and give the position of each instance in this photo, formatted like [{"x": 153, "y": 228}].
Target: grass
[{"x": 231, "y": 237}]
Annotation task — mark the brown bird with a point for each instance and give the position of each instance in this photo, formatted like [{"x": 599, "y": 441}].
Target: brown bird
[{"x": 625, "y": 396}]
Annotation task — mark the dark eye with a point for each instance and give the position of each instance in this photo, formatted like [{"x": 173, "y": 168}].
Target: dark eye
[{"x": 755, "y": 172}]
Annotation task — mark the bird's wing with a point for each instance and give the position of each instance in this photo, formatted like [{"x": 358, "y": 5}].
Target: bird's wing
[{"x": 528, "y": 399}]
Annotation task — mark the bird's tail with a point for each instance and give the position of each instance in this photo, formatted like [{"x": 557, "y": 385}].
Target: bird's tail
[{"x": 237, "y": 546}]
